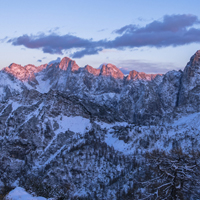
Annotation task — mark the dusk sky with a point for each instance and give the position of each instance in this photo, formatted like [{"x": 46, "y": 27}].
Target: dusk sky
[{"x": 150, "y": 36}]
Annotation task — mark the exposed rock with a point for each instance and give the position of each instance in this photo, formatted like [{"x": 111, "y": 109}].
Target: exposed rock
[
  {"x": 111, "y": 70},
  {"x": 134, "y": 75},
  {"x": 92, "y": 70}
]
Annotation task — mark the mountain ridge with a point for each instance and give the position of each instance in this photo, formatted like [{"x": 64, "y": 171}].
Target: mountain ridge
[
  {"x": 85, "y": 133},
  {"x": 145, "y": 94},
  {"x": 105, "y": 69}
]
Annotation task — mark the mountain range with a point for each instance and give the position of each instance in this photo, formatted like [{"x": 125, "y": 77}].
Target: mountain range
[{"x": 83, "y": 133}]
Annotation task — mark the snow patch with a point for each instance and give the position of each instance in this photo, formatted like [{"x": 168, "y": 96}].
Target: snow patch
[
  {"x": 109, "y": 126},
  {"x": 20, "y": 194},
  {"x": 44, "y": 86},
  {"x": 75, "y": 124},
  {"x": 118, "y": 145},
  {"x": 191, "y": 120}
]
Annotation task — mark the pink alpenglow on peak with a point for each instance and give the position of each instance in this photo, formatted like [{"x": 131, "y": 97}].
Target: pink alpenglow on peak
[
  {"x": 68, "y": 63},
  {"x": 92, "y": 70},
  {"x": 195, "y": 59},
  {"x": 111, "y": 70},
  {"x": 134, "y": 75},
  {"x": 24, "y": 73}
]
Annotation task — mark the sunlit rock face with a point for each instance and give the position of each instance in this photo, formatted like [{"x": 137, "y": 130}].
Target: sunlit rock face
[
  {"x": 134, "y": 75},
  {"x": 111, "y": 70},
  {"x": 67, "y": 63},
  {"x": 92, "y": 70},
  {"x": 71, "y": 132},
  {"x": 24, "y": 73}
]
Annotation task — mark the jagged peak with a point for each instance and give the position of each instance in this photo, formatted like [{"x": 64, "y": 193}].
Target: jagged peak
[
  {"x": 111, "y": 70},
  {"x": 193, "y": 66},
  {"x": 14, "y": 65},
  {"x": 31, "y": 68},
  {"x": 23, "y": 73},
  {"x": 135, "y": 75},
  {"x": 66, "y": 63},
  {"x": 92, "y": 70},
  {"x": 194, "y": 60},
  {"x": 41, "y": 67}
]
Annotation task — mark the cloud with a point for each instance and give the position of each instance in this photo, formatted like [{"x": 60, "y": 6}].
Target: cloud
[
  {"x": 39, "y": 60},
  {"x": 101, "y": 30},
  {"x": 3, "y": 39},
  {"x": 91, "y": 51},
  {"x": 53, "y": 29},
  {"x": 170, "y": 23},
  {"x": 53, "y": 43},
  {"x": 145, "y": 66},
  {"x": 124, "y": 70},
  {"x": 172, "y": 30},
  {"x": 127, "y": 28}
]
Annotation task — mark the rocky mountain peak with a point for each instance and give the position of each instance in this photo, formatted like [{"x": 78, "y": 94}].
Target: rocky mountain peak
[
  {"x": 24, "y": 73},
  {"x": 13, "y": 66},
  {"x": 92, "y": 70},
  {"x": 195, "y": 59},
  {"x": 134, "y": 75},
  {"x": 16, "y": 70},
  {"x": 193, "y": 66},
  {"x": 68, "y": 63},
  {"x": 111, "y": 70}
]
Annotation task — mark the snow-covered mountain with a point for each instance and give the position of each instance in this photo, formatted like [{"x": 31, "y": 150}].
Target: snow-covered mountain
[{"x": 69, "y": 132}]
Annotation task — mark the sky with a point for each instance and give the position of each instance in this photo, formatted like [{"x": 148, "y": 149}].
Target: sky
[{"x": 150, "y": 36}]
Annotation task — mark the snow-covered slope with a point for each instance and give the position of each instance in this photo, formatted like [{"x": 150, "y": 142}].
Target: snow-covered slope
[{"x": 70, "y": 132}]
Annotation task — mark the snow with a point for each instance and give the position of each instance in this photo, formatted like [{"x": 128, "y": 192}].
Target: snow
[
  {"x": 2, "y": 93},
  {"x": 54, "y": 155},
  {"x": 191, "y": 120},
  {"x": 12, "y": 84},
  {"x": 44, "y": 86},
  {"x": 119, "y": 168},
  {"x": 75, "y": 124},
  {"x": 20, "y": 194},
  {"x": 118, "y": 145},
  {"x": 183, "y": 128},
  {"x": 109, "y": 126},
  {"x": 81, "y": 193},
  {"x": 15, "y": 105}
]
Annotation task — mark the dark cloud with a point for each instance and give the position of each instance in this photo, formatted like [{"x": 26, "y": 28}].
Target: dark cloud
[
  {"x": 173, "y": 30},
  {"x": 39, "y": 60},
  {"x": 170, "y": 23},
  {"x": 91, "y": 51},
  {"x": 53, "y": 43}
]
